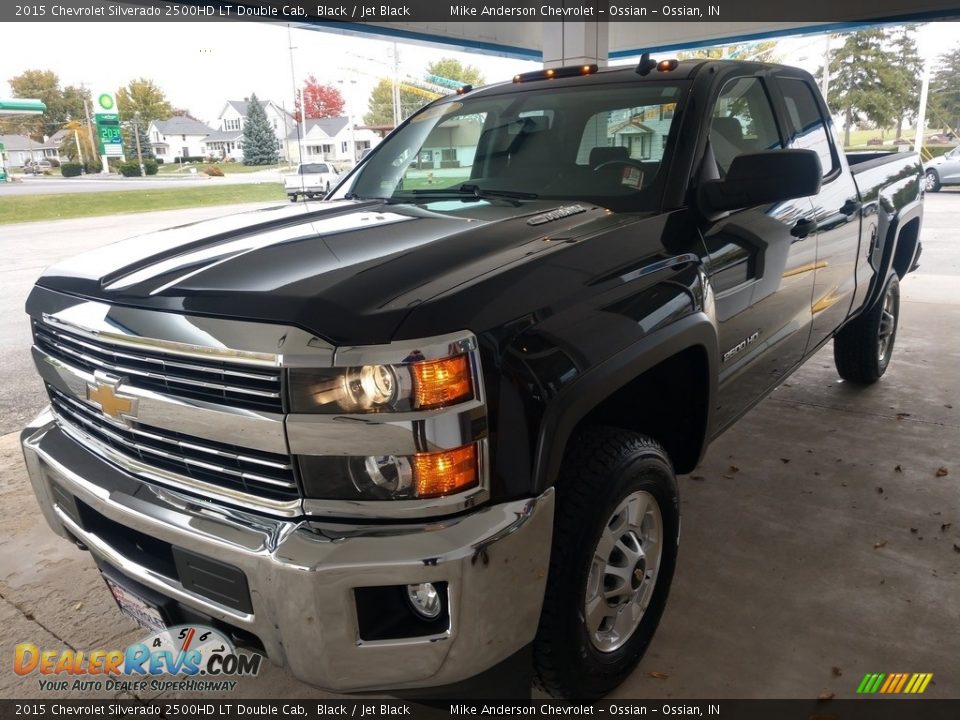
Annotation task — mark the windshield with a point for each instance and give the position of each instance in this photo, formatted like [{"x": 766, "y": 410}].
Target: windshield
[
  {"x": 313, "y": 169},
  {"x": 601, "y": 144}
]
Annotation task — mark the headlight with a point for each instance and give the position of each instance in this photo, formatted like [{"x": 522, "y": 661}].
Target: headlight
[
  {"x": 391, "y": 477},
  {"x": 419, "y": 385}
]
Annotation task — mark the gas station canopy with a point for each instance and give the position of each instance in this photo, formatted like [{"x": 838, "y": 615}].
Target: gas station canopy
[
  {"x": 21, "y": 106},
  {"x": 574, "y": 41}
]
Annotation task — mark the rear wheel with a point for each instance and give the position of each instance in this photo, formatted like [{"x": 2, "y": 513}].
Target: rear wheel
[
  {"x": 293, "y": 198},
  {"x": 614, "y": 552},
  {"x": 862, "y": 349},
  {"x": 931, "y": 181}
]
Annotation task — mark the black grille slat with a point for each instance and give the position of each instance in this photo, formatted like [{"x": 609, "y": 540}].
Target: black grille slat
[
  {"x": 254, "y": 472},
  {"x": 202, "y": 379}
]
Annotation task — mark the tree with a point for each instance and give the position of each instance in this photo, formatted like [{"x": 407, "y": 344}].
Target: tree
[
  {"x": 259, "y": 142},
  {"x": 130, "y": 140},
  {"x": 143, "y": 96},
  {"x": 861, "y": 70},
  {"x": 77, "y": 130},
  {"x": 945, "y": 92},
  {"x": 905, "y": 73},
  {"x": 63, "y": 104},
  {"x": 321, "y": 101},
  {"x": 380, "y": 103},
  {"x": 453, "y": 69}
]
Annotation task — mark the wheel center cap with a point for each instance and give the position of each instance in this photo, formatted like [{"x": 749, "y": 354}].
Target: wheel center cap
[{"x": 639, "y": 572}]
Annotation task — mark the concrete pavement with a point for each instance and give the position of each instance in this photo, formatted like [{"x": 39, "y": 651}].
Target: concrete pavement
[{"x": 820, "y": 539}]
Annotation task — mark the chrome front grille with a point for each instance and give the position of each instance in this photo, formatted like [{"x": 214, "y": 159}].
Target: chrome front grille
[
  {"x": 208, "y": 379},
  {"x": 253, "y": 472}
]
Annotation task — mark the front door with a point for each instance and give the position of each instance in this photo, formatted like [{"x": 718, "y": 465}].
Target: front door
[{"x": 760, "y": 261}]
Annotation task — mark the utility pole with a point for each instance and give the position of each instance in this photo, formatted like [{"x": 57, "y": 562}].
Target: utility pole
[
  {"x": 76, "y": 139},
  {"x": 103, "y": 158},
  {"x": 293, "y": 81},
  {"x": 136, "y": 134},
  {"x": 396, "y": 86},
  {"x": 922, "y": 111},
  {"x": 825, "y": 80}
]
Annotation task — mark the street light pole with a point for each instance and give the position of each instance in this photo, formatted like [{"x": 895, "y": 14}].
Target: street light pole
[
  {"x": 136, "y": 134},
  {"x": 76, "y": 138}
]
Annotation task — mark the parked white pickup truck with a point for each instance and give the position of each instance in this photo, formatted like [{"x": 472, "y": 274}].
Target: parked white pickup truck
[{"x": 311, "y": 180}]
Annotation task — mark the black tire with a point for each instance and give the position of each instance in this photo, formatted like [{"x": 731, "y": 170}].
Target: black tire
[
  {"x": 931, "y": 181},
  {"x": 293, "y": 198},
  {"x": 603, "y": 467},
  {"x": 859, "y": 350},
  {"x": 328, "y": 186}
]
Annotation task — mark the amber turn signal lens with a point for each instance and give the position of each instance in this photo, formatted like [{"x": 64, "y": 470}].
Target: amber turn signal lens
[
  {"x": 441, "y": 382},
  {"x": 445, "y": 473}
]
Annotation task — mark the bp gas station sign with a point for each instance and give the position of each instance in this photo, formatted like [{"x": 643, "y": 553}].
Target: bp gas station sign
[{"x": 108, "y": 125}]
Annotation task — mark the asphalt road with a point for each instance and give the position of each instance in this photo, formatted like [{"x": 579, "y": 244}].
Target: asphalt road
[
  {"x": 30, "y": 247},
  {"x": 42, "y": 185}
]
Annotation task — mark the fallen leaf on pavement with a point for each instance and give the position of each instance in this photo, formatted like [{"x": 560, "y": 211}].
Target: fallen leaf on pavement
[
  {"x": 837, "y": 672},
  {"x": 898, "y": 469},
  {"x": 784, "y": 460},
  {"x": 697, "y": 477},
  {"x": 880, "y": 490},
  {"x": 658, "y": 675},
  {"x": 734, "y": 468},
  {"x": 942, "y": 472},
  {"x": 945, "y": 527},
  {"x": 956, "y": 547},
  {"x": 877, "y": 546},
  {"x": 825, "y": 696},
  {"x": 913, "y": 530}
]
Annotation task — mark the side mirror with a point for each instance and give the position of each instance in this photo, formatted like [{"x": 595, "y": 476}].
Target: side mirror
[{"x": 763, "y": 178}]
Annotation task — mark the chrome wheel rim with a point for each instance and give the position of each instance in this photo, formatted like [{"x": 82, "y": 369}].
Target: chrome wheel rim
[
  {"x": 623, "y": 571},
  {"x": 888, "y": 324},
  {"x": 929, "y": 181}
]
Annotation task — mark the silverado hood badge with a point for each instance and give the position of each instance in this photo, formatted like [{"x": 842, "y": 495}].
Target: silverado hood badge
[
  {"x": 558, "y": 214},
  {"x": 104, "y": 392}
]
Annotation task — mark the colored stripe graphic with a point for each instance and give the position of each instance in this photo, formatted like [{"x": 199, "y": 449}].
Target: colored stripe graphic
[{"x": 907, "y": 683}]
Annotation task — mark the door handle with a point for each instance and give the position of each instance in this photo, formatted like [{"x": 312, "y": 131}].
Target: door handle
[
  {"x": 803, "y": 228},
  {"x": 850, "y": 207}
]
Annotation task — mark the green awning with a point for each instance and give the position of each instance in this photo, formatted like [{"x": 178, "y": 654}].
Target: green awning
[{"x": 21, "y": 106}]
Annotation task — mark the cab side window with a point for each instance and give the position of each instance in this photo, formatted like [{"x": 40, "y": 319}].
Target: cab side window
[
  {"x": 808, "y": 131},
  {"x": 742, "y": 122}
]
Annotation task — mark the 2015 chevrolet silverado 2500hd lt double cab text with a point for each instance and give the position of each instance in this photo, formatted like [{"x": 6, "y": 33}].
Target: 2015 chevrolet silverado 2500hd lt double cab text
[{"x": 395, "y": 438}]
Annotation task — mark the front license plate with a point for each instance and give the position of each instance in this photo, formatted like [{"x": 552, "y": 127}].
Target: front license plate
[{"x": 133, "y": 606}]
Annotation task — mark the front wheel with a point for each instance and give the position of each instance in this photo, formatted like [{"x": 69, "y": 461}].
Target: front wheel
[
  {"x": 931, "y": 181},
  {"x": 293, "y": 198},
  {"x": 862, "y": 349},
  {"x": 614, "y": 552}
]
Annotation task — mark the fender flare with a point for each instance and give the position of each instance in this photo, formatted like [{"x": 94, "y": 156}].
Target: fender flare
[{"x": 604, "y": 379}]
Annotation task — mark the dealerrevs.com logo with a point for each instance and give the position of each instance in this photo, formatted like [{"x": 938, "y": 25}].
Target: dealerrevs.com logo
[{"x": 202, "y": 657}]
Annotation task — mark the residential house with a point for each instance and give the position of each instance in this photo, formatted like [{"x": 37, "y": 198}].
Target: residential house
[
  {"x": 177, "y": 138},
  {"x": 226, "y": 141},
  {"x": 18, "y": 149},
  {"x": 330, "y": 140}
]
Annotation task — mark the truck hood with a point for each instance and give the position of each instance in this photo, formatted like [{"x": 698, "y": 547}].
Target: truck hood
[{"x": 348, "y": 271}]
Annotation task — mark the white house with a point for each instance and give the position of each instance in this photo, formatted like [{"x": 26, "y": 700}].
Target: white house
[
  {"x": 177, "y": 138},
  {"x": 330, "y": 140},
  {"x": 226, "y": 141}
]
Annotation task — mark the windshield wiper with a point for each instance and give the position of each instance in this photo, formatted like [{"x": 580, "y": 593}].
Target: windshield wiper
[{"x": 476, "y": 191}]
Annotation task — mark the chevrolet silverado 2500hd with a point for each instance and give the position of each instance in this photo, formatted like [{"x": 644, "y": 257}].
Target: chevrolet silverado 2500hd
[{"x": 397, "y": 437}]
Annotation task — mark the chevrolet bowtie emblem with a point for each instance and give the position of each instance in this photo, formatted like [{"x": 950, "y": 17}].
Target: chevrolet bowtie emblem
[{"x": 104, "y": 394}]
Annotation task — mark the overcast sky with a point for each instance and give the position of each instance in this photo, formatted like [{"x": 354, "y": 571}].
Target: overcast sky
[{"x": 201, "y": 65}]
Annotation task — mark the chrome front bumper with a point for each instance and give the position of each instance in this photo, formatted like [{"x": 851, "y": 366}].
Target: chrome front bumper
[{"x": 302, "y": 575}]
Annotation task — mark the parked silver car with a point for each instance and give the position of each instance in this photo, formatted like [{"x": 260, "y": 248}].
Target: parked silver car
[{"x": 943, "y": 170}]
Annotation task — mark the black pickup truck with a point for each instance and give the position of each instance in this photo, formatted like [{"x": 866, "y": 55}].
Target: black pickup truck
[{"x": 397, "y": 437}]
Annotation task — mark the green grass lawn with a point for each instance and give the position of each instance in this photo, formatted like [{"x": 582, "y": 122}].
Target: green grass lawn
[{"x": 29, "y": 208}]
